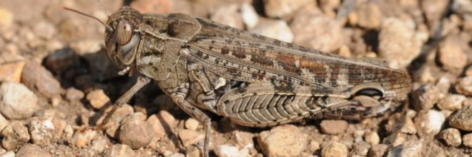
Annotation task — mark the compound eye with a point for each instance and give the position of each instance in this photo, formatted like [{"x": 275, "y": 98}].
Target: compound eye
[{"x": 124, "y": 32}]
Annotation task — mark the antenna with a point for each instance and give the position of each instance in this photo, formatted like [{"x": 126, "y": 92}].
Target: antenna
[{"x": 81, "y": 13}]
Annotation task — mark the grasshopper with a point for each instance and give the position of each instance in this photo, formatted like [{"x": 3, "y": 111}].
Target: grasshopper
[{"x": 254, "y": 80}]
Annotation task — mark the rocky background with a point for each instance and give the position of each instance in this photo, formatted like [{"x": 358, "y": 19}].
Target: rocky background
[{"x": 56, "y": 80}]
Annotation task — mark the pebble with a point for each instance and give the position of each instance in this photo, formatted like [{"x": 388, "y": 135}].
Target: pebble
[
  {"x": 243, "y": 139},
  {"x": 378, "y": 150},
  {"x": 463, "y": 7},
  {"x": 42, "y": 131},
  {"x": 82, "y": 138},
  {"x": 59, "y": 125},
  {"x": 11, "y": 67},
  {"x": 100, "y": 144},
  {"x": 36, "y": 77},
  {"x": 408, "y": 149},
  {"x": 228, "y": 15},
  {"x": 61, "y": 60},
  {"x": 17, "y": 101},
  {"x": 326, "y": 37},
  {"x": 192, "y": 124},
  {"x": 334, "y": 149},
  {"x": 32, "y": 150},
  {"x": 333, "y": 126},
  {"x": 45, "y": 30},
  {"x": 462, "y": 119},
  {"x": 153, "y": 6},
  {"x": 3, "y": 122},
  {"x": 451, "y": 55},
  {"x": 451, "y": 136},
  {"x": 425, "y": 97},
  {"x": 372, "y": 138},
  {"x": 8, "y": 154},
  {"x": 452, "y": 102},
  {"x": 118, "y": 116},
  {"x": 284, "y": 8},
  {"x": 286, "y": 140},
  {"x": 313, "y": 146},
  {"x": 434, "y": 9},
  {"x": 464, "y": 86},
  {"x": 97, "y": 98},
  {"x": 429, "y": 123},
  {"x": 135, "y": 132},
  {"x": 228, "y": 151},
  {"x": 467, "y": 140},
  {"x": 190, "y": 137},
  {"x": 6, "y": 19},
  {"x": 121, "y": 150},
  {"x": 277, "y": 29},
  {"x": 249, "y": 15},
  {"x": 398, "y": 42},
  {"x": 162, "y": 123},
  {"x": 73, "y": 94},
  {"x": 15, "y": 136},
  {"x": 369, "y": 15},
  {"x": 361, "y": 148}
]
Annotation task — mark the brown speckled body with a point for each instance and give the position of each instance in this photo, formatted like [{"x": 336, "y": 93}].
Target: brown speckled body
[{"x": 252, "y": 79}]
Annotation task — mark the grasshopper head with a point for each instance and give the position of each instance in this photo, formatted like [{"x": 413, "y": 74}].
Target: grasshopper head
[{"x": 122, "y": 37}]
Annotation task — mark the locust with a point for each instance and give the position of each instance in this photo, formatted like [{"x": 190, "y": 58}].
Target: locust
[{"x": 253, "y": 80}]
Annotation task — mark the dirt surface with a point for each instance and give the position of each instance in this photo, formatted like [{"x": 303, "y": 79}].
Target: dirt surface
[{"x": 56, "y": 81}]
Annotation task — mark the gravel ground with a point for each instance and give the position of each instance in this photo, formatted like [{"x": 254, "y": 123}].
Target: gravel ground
[{"x": 56, "y": 80}]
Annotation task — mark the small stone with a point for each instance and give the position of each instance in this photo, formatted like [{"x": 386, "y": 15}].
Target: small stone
[
  {"x": 249, "y": 15},
  {"x": 73, "y": 94},
  {"x": 11, "y": 67},
  {"x": 227, "y": 151},
  {"x": 117, "y": 117},
  {"x": 398, "y": 42},
  {"x": 464, "y": 86},
  {"x": 361, "y": 148},
  {"x": 276, "y": 29},
  {"x": 372, "y": 138},
  {"x": 378, "y": 150},
  {"x": 82, "y": 138},
  {"x": 451, "y": 55},
  {"x": 369, "y": 15},
  {"x": 153, "y": 6},
  {"x": 462, "y": 119},
  {"x": 8, "y": 154},
  {"x": 97, "y": 98},
  {"x": 452, "y": 102},
  {"x": 467, "y": 140},
  {"x": 429, "y": 123},
  {"x": 37, "y": 78},
  {"x": 243, "y": 139},
  {"x": 344, "y": 51},
  {"x": 334, "y": 149},
  {"x": 17, "y": 101},
  {"x": 32, "y": 150},
  {"x": 314, "y": 146},
  {"x": 284, "y": 8},
  {"x": 408, "y": 149},
  {"x": 121, "y": 150},
  {"x": 434, "y": 9},
  {"x": 100, "y": 145},
  {"x": 327, "y": 37},
  {"x": 425, "y": 97},
  {"x": 61, "y": 60},
  {"x": 333, "y": 126},
  {"x": 44, "y": 29},
  {"x": 6, "y": 19},
  {"x": 15, "y": 136},
  {"x": 451, "y": 136},
  {"x": 192, "y": 124},
  {"x": 286, "y": 140},
  {"x": 161, "y": 123},
  {"x": 68, "y": 131},
  {"x": 42, "y": 131},
  {"x": 190, "y": 137},
  {"x": 228, "y": 15},
  {"x": 133, "y": 126},
  {"x": 59, "y": 125},
  {"x": 3, "y": 122}
]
